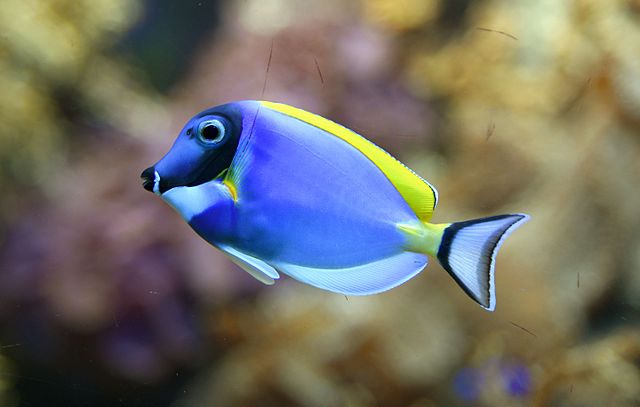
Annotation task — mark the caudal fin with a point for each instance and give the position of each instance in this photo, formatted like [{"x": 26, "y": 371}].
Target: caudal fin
[{"x": 468, "y": 250}]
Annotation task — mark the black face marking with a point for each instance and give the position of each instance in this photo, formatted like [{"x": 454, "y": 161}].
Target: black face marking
[
  {"x": 204, "y": 150},
  {"x": 218, "y": 157},
  {"x": 148, "y": 177}
]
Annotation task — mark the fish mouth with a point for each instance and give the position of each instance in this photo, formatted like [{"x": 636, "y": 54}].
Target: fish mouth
[{"x": 151, "y": 180}]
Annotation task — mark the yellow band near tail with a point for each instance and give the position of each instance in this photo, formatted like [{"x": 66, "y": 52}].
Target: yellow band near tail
[{"x": 423, "y": 237}]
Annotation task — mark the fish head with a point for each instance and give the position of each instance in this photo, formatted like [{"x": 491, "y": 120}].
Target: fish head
[{"x": 202, "y": 151}]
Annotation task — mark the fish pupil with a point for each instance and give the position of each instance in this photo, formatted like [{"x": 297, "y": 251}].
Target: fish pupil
[{"x": 210, "y": 132}]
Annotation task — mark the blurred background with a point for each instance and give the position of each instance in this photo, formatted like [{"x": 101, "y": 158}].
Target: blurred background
[{"x": 108, "y": 298}]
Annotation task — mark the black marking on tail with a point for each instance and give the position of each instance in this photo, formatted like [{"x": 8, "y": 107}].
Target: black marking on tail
[{"x": 445, "y": 249}]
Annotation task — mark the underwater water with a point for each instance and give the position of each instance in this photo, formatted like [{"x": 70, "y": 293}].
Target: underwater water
[{"x": 108, "y": 298}]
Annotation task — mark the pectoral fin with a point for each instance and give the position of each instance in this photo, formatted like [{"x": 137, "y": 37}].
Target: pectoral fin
[{"x": 259, "y": 269}]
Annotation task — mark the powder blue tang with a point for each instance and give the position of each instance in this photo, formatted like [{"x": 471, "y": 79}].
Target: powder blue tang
[{"x": 279, "y": 189}]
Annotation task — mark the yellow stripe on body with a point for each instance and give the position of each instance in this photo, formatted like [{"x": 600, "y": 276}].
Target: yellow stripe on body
[{"x": 419, "y": 195}]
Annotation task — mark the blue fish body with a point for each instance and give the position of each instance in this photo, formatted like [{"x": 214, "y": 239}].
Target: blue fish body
[
  {"x": 308, "y": 200},
  {"x": 279, "y": 189}
]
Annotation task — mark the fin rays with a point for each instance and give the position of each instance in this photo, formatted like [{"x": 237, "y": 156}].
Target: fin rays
[{"x": 365, "y": 279}]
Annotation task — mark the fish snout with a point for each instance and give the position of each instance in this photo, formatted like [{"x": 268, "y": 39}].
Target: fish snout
[{"x": 149, "y": 179}]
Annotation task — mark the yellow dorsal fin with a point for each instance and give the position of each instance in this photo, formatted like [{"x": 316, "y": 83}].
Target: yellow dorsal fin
[{"x": 419, "y": 194}]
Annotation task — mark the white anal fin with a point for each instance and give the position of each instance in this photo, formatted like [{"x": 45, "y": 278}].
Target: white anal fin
[
  {"x": 259, "y": 269},
  {"x": 365, "y": 279}
]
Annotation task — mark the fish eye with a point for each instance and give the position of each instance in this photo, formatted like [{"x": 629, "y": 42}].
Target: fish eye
[{"x": 211, "y": 131}]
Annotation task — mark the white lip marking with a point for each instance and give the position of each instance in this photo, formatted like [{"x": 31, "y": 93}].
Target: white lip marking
[
  {"x": 192, "y": 201},
  {"x": 156, "y": 184}
]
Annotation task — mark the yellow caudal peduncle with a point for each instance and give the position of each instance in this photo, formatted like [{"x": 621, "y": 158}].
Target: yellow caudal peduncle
[{"x": 423, "y": 237}]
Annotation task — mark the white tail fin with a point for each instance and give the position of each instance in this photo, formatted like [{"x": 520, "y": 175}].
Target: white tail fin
[{"x": 468, "y": 250}]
